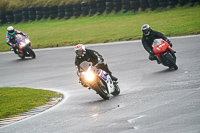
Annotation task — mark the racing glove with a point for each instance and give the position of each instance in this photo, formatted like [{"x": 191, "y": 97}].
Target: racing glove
[{"x": 168, "y": 41}]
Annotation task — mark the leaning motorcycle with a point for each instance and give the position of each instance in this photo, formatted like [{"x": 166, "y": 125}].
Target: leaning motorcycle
[
  {"x": 164, "y": 53},
  {"x": 98, "y": 80},
  {"x": 23, "y": 47}
]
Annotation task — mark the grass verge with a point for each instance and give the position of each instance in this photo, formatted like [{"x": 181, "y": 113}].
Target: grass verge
[
  {"x": 107, "y": 28},
  {"x": 18, "y": 100}
]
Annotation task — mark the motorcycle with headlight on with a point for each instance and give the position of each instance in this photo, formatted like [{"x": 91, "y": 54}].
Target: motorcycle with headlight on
[
  {"x": 98, "y": 80},
  {"x": 23, "y": 47}
]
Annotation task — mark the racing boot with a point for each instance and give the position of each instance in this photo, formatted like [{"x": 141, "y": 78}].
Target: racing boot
[{"x": 113, "y": 77}]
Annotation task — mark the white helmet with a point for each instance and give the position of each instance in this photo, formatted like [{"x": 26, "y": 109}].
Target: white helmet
[
  {"x": 80, "y": 50},
  {"x": 10, "y": 30},
  {"x": 146, "y": 29}
]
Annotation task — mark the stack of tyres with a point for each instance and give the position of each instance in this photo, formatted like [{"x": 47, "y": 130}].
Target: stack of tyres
[
  {"x": 25, "y": 15},
  {"x": 85, "y": 8},
  {"x": 45, "y": 10},
  {"x": 117, "y": 5},
  {"x": 144, "y": 4},
  {"x": 53, "y": 12},
  {"x": 126, "y": 6},
  {"x": 109, "y": 6},
  {"x": 61, "y": 11},
  {"x": 3, "y": 19},
  {"x": 39, "y": 12},
  {"x": 9, "y": 17},
  {"x": 153, "y": 4},
  {"x": 173, "y": 3},
  {"x": 183, "y": 2},
  {"x": 92, "y": 8},
  {"x": 17, "y": 16},
  {"x": 135, "y": 5},
  {"x": 77, "y": 10},
  {"x": 192, "y": 2},
  {"x": 163, "y": 3},
  {"x": 69, "y": 11},
  {"x": 101, "y": 6},
  {"x": 32, "y": 13}
]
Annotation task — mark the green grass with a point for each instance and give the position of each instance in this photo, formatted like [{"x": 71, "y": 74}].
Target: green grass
[
  {"x": 107, "y": 28},
  {"x": 18, "y": 100}
]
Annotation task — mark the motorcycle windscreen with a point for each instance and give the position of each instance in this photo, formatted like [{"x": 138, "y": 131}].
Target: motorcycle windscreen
[
  {"x": 84, "y": 66},
  {"x": 159, "y": 46}
]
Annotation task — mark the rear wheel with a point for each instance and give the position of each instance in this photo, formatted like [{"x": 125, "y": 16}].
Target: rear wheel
[{"x": 31, "y": 52}]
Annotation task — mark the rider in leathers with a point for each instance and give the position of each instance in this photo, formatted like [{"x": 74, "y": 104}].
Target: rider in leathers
[
  {"x": 10, "y": 37},
  {"x": 148, "y": 37},
  {"x": 83, "y": 54}
]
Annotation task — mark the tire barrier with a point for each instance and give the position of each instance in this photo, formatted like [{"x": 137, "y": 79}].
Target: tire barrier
[
  {"x": 101, "y": 6},
  {"x": 85, "y": 8},
  {"x": 173, "y": 3},
  {"x": 153, "y": 4},
  {"x": 77, "y": 10},
  {"x": 144, "y": 4},
  {"x": 39, "y": 12},
  {"x": 93, "y": 8},
  {"x": 61, "y": 11},
  {"x": 69, "y": 11},
  {"x": 17, "y": 16},
  {"x": 53, "y": 12},
  {"x": 183, "y": 2},
  {"x": 109, "y": 6},
  {"x": 3, "y": 19},
  {"x": 9, "y": 17},
  {"x": 192, "y": 2},
  {"x": 126, "y": 5},
  {"x": 163, "y": 3},
  {"x": 135, "y": 5},
  {"x": 45, "y": 10},
  {"x": 32, "y": 13},
  {"x": 25, "y": 15},
  {"x": 117, "y": 5}
]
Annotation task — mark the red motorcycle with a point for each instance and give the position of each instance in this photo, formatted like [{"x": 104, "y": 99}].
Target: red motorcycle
[{"x": 164, "y": 53}]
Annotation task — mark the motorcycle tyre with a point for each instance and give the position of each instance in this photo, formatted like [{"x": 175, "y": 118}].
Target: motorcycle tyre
[
  {"x": 101, "y": 92},
  {"x": 171, "y": 61},
  {"x": 31, "y": 52},
  {"x": 117, "y": 90}
]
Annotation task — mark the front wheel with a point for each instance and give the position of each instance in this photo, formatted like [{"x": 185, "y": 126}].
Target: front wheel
[
  {"x": 31, "y": 52},
  {"x": 101, "y": 89},
  {"x": 171, "y": 60},
  {"x": 117, "y": 90}
]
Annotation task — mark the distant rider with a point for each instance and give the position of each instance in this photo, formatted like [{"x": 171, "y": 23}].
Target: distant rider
[
  {"x": 83, "y": 54},
  {"x": 148, "y": 37},
  {"x": 10, "y": 37}
]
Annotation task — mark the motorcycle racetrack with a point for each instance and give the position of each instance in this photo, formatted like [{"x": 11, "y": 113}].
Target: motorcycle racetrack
[{"x": 153, "y": 98}]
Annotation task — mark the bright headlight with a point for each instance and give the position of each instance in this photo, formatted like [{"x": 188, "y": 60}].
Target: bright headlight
[{"x": 89, "y": 76}]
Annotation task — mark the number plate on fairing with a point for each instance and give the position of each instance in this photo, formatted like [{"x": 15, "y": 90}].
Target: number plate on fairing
[{"x": 102, "y": 75}]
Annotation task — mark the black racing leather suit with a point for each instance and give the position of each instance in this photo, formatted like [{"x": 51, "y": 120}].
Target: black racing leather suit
[
  {"x": 94, "y": 57},
  {"x": 147, "y": 41},
  {"x": 90, "y": 56}
]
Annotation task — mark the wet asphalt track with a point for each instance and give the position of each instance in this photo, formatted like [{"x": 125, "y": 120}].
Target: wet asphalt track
[{"x": 153, "y": 98}]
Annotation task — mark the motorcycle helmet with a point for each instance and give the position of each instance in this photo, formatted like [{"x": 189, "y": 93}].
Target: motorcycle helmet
[
  {"x": 146, "y": 29},
  {"x": 10, "y": 30},
  {"x": 80, "y": 50}
]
